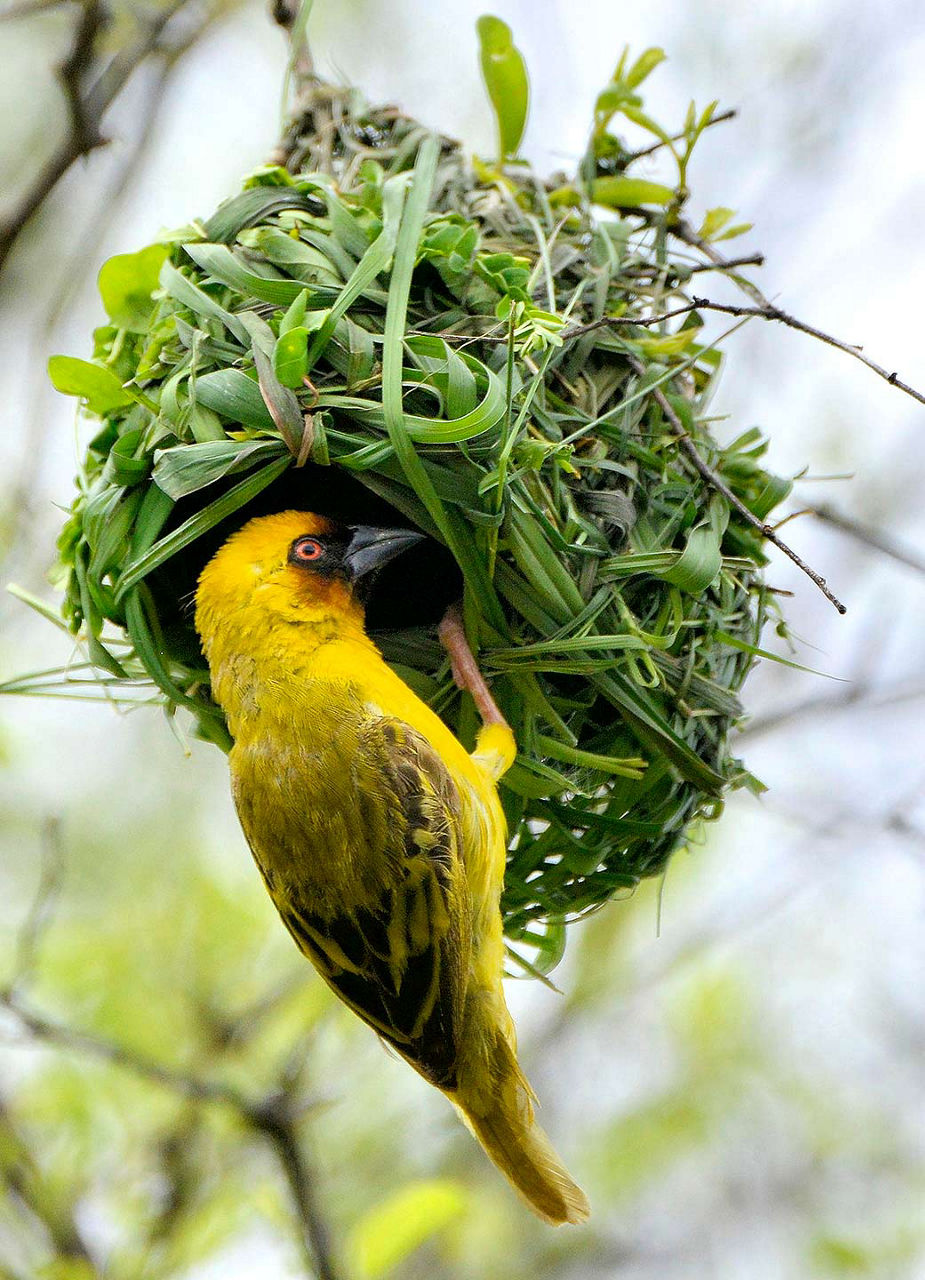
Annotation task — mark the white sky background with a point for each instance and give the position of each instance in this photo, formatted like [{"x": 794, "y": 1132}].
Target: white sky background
[{"x": 818, "y": 901}]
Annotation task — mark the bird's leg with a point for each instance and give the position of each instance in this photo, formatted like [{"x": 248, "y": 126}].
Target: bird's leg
[{"x": 465, "y": 669}]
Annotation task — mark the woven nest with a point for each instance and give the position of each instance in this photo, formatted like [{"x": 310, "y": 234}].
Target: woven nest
[{"x": 387, "y": 336}]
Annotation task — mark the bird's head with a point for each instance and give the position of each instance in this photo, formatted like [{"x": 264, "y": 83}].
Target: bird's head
[{"x": 295, "y": 565}]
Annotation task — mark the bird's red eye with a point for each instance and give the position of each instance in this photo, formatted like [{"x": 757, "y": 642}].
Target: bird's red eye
[{"x": 306, "y": 550}]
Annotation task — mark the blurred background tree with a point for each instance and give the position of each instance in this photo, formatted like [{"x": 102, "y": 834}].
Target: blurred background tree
[{"x": 734, "y": 1068}]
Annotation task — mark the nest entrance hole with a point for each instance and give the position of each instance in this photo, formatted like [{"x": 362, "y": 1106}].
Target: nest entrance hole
[{"x": 412, "y": 591}]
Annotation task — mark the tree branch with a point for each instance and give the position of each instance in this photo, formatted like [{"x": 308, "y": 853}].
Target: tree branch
[
  {"x": 856, "y": 696},
  {"x": 30, "y": 935},
  {"x": 277, "y": 1123},
  {"x": 766, "y": 310},
  {"x": 83, "y": 134},
  {"x": 26, "y": 8},
  {"x": 88, "y": 102},
  {"x": 868, "y": 537},
  {"x": 24, "y": 1180},
  {"x": 678, "y": 137},
  {"x": 273, "y": 1118},
  {"x": 716, "y": 482}
]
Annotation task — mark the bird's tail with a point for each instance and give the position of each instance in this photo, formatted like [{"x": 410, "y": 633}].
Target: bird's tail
[{"x": 503, "y": 1123}]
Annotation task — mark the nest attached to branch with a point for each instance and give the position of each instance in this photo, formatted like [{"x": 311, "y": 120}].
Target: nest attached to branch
[{"x": 388, "y": 336}]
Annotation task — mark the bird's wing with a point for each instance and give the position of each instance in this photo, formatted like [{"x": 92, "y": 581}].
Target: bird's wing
[{"x": 400, "y": 961}]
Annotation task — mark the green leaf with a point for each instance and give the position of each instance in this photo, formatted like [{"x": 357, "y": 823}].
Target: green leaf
[
  {"x": 187, "y": 468},
  {"x": 126, "y": 283},
  {"x": 505, "y": 75},
  {"x": 739, "y": 229},
  {"x": 98, "y": 386},
  {"x": 699, "y": 563},
  {"x": 629, "y": 193},
  {"x": 188, "y": 294},
  {"x": 295, "y": 315},
  {"x": 714, "y": 221},
  {"x": 290, "y": 358},
  {"x": 218, "y": 261},
  {"x": 398, "y": 1225},
  {"x": 455, "y": 531},
  {"x": 644, "y": 65},
  {"x": 253, "y": 206},
  {"x": 234, "y": 395},
  {"x": 281, "y": 401}
]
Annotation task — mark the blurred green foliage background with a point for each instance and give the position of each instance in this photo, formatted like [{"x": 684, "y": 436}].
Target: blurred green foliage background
[{"x": 734, "y": 1066}]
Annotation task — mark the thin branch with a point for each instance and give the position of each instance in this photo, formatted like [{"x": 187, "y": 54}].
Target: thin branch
[
  {"x": 747, "y": 260},
  {"x": 857, "y": 696},
  {"x": 83, "y": 134},
  {"x": 716, "y": 482},
  {"x": 869, "y": 537},
  {"x": 114, "y": 77},
  {"x": 88, "y": 104},
  {"x": 85, "y": 127},
  {"x": 51, "y": 1032},
  {"x": 272, "y": 1117},
  {"x": 24, "y": 1180},
  {"x": 642, "y": 322},
  {"x": 276, "y": 1122},
  {"x": 26, "y": 8},
  {"x": 71, "y": 277},
  {"x": 766, "y": 310},
  {"x": 40, "y": 914},
  {"x": 678, "y": 137}
]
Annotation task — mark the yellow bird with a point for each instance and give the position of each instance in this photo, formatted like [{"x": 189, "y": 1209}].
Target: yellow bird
[{"x": 380, "y": 839}]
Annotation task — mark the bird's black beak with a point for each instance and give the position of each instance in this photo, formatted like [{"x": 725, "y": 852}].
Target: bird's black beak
[{"x": 370, "y": 548}]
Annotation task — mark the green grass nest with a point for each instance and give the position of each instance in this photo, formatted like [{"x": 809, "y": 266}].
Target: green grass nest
[{"x": 390, "y": 334}]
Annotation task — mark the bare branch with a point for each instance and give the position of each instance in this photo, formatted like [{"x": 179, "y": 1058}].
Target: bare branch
[
  {"x": 26, "y": 8},
  {"x": 869, "y": 537},
  {"x": 83, "y": 135},
  {"x": 273, "y": 1117},
  {"x": 277, "y": 1123},
  {"x": 51, "y": 1032},
  {"x": 40, "y": 913},
  {"x": 766, "y": 310},
  {"x": 113, "y": 78},
  {"x": 25, "y": 1182},
  {"x": 716, "y": 482},
  {"x": 678, "y": 137},
  {"x": 856, "y": 696},
  {"x": 89, "y": 102}
]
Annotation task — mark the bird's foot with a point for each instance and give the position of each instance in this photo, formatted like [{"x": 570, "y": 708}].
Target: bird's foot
[{"x": 464, "y": 667}]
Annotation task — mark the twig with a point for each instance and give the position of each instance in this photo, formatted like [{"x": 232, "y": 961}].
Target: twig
[
  {"x": 643, "y": 322},
  {"x": 114, "y": 77},
  {"x": 189, "y": 1086},
  {"x": 272, "y": 1117},
  {"x": 26, "y": 8},
  {"x": 766, "y": 310},
  {"x": 88, "y": 104},
  {"x": 856, "y": 696},
  {"x": 40, "y": 913},
  {"x": 716, "y": 482},
  {"x": 25, "y": 1182},
  {"x": 71, "y": 278},
  {"x": 678, "y": 137},
  {"x": 84, "y": 133},
  {"x": 276, "y": 1123},
  {"x": 747, "y": 260},
  {"x": 869, "y": 537},
  {"x": 85, "y": 128}
]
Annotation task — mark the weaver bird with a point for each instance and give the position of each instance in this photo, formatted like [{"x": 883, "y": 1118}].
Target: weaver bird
[{"x": 381, "y": 840}]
